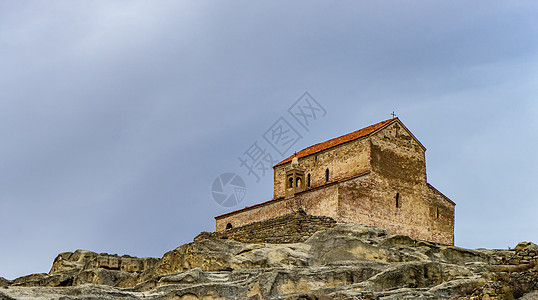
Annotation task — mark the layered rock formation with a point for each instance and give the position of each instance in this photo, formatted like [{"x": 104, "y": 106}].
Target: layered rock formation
[{"x": 343, "y": 261}]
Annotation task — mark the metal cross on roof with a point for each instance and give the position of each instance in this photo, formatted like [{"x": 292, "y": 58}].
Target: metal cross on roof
[{"x": 393, "y": 114}]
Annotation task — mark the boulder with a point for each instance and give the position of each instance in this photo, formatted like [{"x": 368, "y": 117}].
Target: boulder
[
  {"x": 74, "y": 262},
  {"x": 4, "y": 282}
]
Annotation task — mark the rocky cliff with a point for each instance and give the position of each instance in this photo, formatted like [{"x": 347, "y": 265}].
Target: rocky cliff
[{"x": 340, "y": 261}]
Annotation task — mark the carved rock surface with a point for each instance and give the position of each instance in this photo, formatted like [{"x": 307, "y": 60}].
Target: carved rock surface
[{"x": 347, "y": 261}]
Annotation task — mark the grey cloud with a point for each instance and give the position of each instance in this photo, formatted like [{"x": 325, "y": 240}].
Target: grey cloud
[{"x": 115, "y": 117}]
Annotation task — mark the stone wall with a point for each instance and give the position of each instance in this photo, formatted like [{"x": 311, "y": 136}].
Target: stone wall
[
  {"x": 255, "y": 213},
  {"x": 321, "y": 201},
  {"x": 397, "y": 155},
  {"x": 371, "y": 200},
  {"x": 343, "y": 161},
  {"x": 523, "y": 253},
  {"x": 399, "y": 171},
  {"x": 441, "y": 217},
  {"x": 516, "y": 274},
  {"x": 290, "y": 228}
]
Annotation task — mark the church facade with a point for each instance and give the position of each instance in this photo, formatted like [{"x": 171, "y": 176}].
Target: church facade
[{"x": 374, "y": 176}]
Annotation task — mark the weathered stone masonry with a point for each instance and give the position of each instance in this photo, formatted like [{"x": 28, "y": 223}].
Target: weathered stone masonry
[
  {"x": 294, "y": 227},
  {"x": 375, "y": 176}
]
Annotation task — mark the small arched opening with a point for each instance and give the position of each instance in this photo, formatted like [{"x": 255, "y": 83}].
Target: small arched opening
[
  {"x": 229, "y": 226},
  {"x": 397, "y": 200},
  {"x": 290, "y": 182},
  {"x": 308, "y": 180},
  {"x": 298, "y": 182},
  {"x": 327, "y": 175}
]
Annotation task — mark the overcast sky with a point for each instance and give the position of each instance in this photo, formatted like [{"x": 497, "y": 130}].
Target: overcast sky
[{"x": 117, "y": 116}]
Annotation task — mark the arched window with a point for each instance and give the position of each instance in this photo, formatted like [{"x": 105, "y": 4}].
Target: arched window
[
  {"x": 229, "y": 226},
  {"x": 437, "y": 212},
  {"x": 298, "y": 182},
  {"x": 397, "y": 200},
  {"x": 290, "y": 182},
  {"x": 308, "y": 180},
  {"x": 327, "y": 175}
]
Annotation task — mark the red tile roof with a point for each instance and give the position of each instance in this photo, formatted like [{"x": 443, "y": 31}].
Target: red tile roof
[{"x": 337, "y": 141}]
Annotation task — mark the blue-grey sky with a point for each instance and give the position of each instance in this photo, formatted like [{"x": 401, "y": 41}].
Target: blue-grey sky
[{"x": 116, "y": 116}]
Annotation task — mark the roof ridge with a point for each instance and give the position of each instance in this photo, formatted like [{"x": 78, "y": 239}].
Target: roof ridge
[{"x": 338, "y": 140}]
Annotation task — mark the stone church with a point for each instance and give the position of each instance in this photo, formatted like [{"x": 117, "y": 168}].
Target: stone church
[{"x": 374, "y": 176}]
